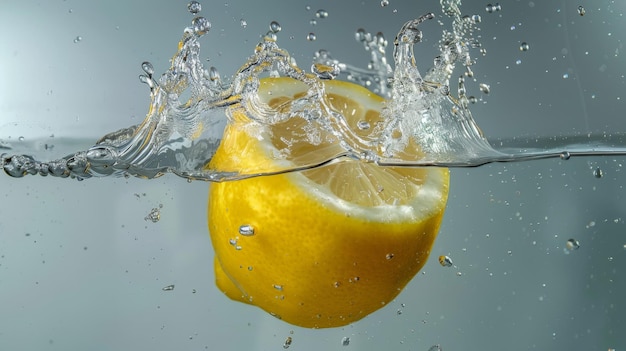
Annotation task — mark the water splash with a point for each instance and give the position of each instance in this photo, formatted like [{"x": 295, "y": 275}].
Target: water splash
[{"x": 191, "y": 105}]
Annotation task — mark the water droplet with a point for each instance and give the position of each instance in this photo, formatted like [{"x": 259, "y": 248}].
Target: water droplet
[
  {"x": 384, "y": 3},
  {"x": 363, "y": 125},
  {"x": 287, "y": 343},
  {"x": 168, "y": 288},
  {"x": 201, "y": 25},
  {"x": 445, "y": 261},
  {"x": 389, "y": 256},
  {"x": 484, "y": 88},
  {"x": 321, "y": 14},
  {"x": 581, "y": 10},
  {"x": 275, "y": 27},
  {"x": 572, "y": 244},
  {"x": 345, "y": 341},
  {"x": 148, "y": 68},
  {"x": 243, "y": 23},
  {"x": 78, "y": 39},
  {"x": 524, "y": 46},
  {"x": 154, "y": 215},
  {"x": 194, "y": 7},
  {"x": 246, "y": 229},
  {"x": 311, "y": 37},
  {"x": 565, "y": 155},
  {"x": 598, "y": 172},
  {"x": 325, "y": 71}
]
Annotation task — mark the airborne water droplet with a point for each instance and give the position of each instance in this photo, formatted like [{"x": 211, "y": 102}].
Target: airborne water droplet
[
  {"x": 148, "y": 68},
  {"x": 194, "y": 7},
  {"x": 275, "y": 27},
  {"x": 201, "y": 25}
]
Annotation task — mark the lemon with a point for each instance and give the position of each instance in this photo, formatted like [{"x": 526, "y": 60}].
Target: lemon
[{"x": 323, "y": 247}]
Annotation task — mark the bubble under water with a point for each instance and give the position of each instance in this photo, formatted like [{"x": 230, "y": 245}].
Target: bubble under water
[{"x": 191, "y": 106}]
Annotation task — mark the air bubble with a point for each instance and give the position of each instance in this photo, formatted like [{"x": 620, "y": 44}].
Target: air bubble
[
  {"x": 445, "y": 261},
  {"x": 565, "y": 155},
  {"x": 275, "y": 27},
  {"x": 572, "y": 244},
  {"x": 321, "y": 14},
  {"x": 435, "y": 348},
  {"x": 243, "y": 23},
  {"x": 345, "y": 341},
  {"x": 363, "y": 125},
  {"x": 581, "y": 10},
  {"x": 168, "y": 288},
  {"x": 154, "y": 215},
  {"x": 194, "y": 7},
  {"x": 311, "y": 37},
  {"x": 278, "y": 287},
  {"x": 384, "y": 3},
  {"x": 246, "y": 230},
  {"x": 201, "y": 25},
  {"x": 524, "y": 46},
  {"x": 598, "y": 173},
  {"x": 78, "y": 39},
  {"x": 389, "y": 256},
  {"x": 476, "y": 18},
  {"x": 313, "y": 22},
  {"x": 214, "y": 74},
  {"x": 287, "y": 343}
]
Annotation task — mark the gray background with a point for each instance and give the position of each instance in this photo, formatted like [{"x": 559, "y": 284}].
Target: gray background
[{"x": 80, "y": 268}]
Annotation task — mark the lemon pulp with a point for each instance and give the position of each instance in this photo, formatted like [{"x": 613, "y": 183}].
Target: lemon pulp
[{"x": 323, "y": 247}]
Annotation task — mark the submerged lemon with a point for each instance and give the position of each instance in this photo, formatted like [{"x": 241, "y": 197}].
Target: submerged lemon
[{"x": 323, "y": 247}]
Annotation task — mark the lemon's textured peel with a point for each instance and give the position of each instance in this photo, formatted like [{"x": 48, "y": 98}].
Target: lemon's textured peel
[{"x": 327, "y": 248}]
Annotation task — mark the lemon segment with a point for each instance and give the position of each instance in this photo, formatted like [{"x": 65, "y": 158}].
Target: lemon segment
[{"x": 329, "y": 245}]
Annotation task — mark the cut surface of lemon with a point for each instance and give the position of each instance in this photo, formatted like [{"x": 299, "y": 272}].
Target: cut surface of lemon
[{"x": 327, "y": 246}]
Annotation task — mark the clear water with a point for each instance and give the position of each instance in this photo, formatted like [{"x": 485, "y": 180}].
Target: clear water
[
  {"x": 191, "y": 105},
  {"x": 91, "y": 265}
]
